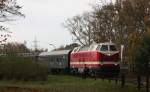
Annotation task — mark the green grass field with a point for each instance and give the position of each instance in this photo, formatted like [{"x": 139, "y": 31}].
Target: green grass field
[{"x": 62, "y": 83}]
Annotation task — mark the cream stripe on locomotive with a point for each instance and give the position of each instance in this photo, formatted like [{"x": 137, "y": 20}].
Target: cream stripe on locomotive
[
  {"x": 94, "y": 62},
  {"x": 109, "y": 53}
]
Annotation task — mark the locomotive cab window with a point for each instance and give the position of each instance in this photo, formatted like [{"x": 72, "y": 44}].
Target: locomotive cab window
[
  {"x": 104, "y": 48},
  {"x": 112, "y": 48}
]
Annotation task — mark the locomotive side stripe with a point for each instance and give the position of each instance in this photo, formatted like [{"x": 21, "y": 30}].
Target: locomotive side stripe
[
  {"x": 109, "y": 53},
  {"x": 84, "y": 62},
  {"x": 93, "y": 62}
]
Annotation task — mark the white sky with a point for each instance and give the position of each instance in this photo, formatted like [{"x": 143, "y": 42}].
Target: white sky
[{"x": 44, "y": 20}]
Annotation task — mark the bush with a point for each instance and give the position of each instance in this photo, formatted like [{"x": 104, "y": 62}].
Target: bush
[
  {"x": 142, "y": 55},
  {"x": 20, "y": 68}
]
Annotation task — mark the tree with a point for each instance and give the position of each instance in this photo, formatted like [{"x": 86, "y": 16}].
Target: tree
[
  {"x": 142, "y": 55},
  {"x": 12, "y": 48},
  {"x": 9, "y": 9},
  {"x": 71, "y": 46},
  {"x": 133, "y": 17},
  {"x": 81, "y": 29},
  {"x": 103, "y": 23},
  {"x": 68, "y": 47}
]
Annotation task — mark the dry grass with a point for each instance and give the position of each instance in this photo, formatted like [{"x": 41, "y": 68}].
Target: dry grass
[{"x": 61, "y": 83}]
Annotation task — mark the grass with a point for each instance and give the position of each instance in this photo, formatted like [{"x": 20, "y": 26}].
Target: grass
[{"x": 64, "y": 83}]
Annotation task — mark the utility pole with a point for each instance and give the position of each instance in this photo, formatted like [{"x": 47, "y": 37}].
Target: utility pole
[
  {"x": 25, "y": 44},
  {"x": 35, "y": 44},
  {"x": 35, "y": 48}
]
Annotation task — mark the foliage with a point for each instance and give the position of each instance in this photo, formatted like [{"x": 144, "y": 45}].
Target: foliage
[
  {"x": 80, "y": 27},
  {"x": 71, "y": 46},
  {"x": 9, "y": 11},
  {"x": 103, "y": 24},
  {"x": 14, "y": 47},
  {"x": 19, "y": 68},
  {"x": 68, "y": 47},
  {"x": 143, "y": 55}
]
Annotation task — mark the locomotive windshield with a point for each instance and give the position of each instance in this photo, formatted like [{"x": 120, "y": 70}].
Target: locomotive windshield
[
  {"x": 107, "y": 48},
  {"x": 104, "y": 48},
  {"x": 112, "y": 48}
]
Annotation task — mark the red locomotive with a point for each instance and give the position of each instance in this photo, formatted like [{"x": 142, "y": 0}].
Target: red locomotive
[{"x": 100, "y": 58}]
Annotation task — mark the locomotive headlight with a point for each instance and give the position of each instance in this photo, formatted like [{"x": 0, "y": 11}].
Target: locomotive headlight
[{"x": 115, "y": 64}]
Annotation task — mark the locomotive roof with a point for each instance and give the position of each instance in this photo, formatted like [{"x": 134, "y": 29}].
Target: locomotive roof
[
  {"x": 59, "y": 52},
  {"x": 107, "y": 43}
]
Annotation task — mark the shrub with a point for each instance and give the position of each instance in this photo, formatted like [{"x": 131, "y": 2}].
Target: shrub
[{"x": 19, "y": 68}]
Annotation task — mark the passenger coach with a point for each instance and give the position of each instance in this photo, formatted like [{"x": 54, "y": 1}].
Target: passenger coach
[{"x": 57, "y": 61}]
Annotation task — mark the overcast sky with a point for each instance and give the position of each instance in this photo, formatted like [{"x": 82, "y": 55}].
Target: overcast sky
[{"x": 44, "y": 20}]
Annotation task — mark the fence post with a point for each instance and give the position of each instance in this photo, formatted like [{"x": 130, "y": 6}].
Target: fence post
[
  {"x": 122, "y": 80},
  {"x": 147, "y": 83},
  {"x": 139, "y": 82},
  {"x": 147, "y": 75}
]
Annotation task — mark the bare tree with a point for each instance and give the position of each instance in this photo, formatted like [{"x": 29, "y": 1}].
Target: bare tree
[
  {"x": 9, "y": 9},
  {"x": 103, "y": 23},
  {"x": 81, "y": 29}
]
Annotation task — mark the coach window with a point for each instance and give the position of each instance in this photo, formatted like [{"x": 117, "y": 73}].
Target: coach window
[
  {"x": 54, "y": 58},
  {"x": 64, "y": 58},
  {"x": 57, "y": 58},
  {"x": 104, "y": 48},
  {"x": 60, "y": 58},
  {"x": 50, "y": 59}
]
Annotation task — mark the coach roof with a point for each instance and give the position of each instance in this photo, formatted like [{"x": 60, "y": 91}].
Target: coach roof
[{"x": 59, "y": 52}]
